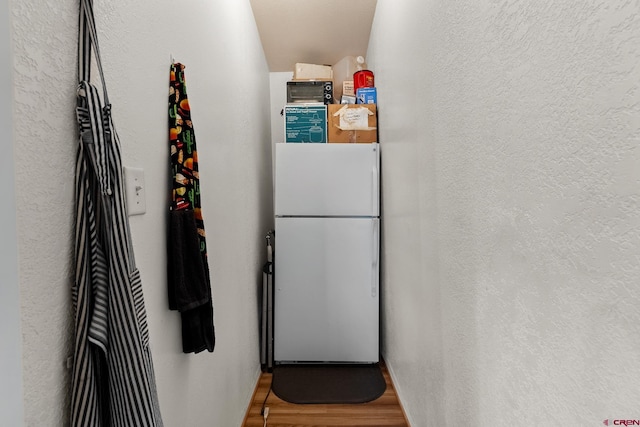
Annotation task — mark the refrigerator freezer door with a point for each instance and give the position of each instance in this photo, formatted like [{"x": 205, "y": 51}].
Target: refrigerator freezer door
[
  {"x": 327, "y": 179},
  {"x": 326, "y": 297}
]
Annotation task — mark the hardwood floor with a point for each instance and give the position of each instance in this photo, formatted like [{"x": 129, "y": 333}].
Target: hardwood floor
[{"x": 382, "y": 412}]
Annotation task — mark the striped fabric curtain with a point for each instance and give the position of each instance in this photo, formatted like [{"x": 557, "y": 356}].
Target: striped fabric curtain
[{"x": 113, "y": 380}]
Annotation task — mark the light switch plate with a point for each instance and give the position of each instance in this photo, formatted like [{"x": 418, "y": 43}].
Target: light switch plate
[{"x": 134, "y": 188}]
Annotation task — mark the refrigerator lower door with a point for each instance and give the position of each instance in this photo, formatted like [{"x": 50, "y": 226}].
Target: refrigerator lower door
[{"x": 326, "y": 306}]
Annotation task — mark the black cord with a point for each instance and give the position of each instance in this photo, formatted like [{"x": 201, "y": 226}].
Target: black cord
[{"x": 265, "y": 399}]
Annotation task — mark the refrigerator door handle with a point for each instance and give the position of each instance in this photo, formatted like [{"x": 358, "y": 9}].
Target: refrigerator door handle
[
  {"x": 374, "y": 258},
  {"x": 374, "y": 189}
]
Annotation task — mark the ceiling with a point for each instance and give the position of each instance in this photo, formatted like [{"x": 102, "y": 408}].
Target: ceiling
[{"x": 312, "y": 31}]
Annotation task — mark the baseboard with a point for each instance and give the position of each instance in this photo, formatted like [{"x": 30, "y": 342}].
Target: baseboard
[
  {"x": 252, "y": 397},
  {"x": 398, "y": 393}
]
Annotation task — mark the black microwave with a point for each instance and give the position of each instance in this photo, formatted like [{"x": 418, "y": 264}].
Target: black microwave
[{"x": 310, "y": 91}]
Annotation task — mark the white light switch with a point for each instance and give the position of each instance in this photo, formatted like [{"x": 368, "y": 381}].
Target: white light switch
[{"x": 134, "y": 188}]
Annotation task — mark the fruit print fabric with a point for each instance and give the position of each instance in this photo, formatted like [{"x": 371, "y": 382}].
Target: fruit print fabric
[
  {"x": 188, "y": 271},
  {"x": 184, "y": 156}
]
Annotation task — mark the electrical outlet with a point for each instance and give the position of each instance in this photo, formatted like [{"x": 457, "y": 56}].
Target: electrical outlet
[{"x": 135, "y": 191}]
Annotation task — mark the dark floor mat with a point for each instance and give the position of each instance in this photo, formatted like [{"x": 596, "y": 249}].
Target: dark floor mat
[{"x": 328, "y": 383}]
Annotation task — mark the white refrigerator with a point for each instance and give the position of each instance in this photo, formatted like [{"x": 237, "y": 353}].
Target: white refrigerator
[{"x": 326, "y": 302}]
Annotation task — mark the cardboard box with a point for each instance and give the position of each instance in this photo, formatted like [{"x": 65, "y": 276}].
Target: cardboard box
[
  {"x": 352, "y": 123},
  {"x": 367, "y": 95},
  {"x": 347, "y": 88},
  {"x": 305, "y": 123},
  {"x": 304, "y": 71}
]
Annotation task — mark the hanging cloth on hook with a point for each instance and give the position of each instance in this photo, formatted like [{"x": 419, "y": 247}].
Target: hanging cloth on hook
[
  {"x": 113, "y": 382},
  {"x": 187, "y": 265}
]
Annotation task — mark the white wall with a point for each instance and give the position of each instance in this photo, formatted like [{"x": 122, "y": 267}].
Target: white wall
[
  {"x": 511, "y": 184},
  {"x": 228, "y": 84},
  {"x": 11, "y": 406},
  {"x": 278, "y": 86}
]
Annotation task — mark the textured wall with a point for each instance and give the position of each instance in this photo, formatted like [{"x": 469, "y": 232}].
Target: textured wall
[
  {"x": 44, "y": 143},
  {"x": 11, "y": 406},
  {"x": 410, "y": 287},
  {"x": 228, "y": 85},
  {"x": 510, "y": 134}
]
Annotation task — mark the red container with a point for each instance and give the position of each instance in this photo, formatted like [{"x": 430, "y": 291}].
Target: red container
[{"x": 362, "y": 78}]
